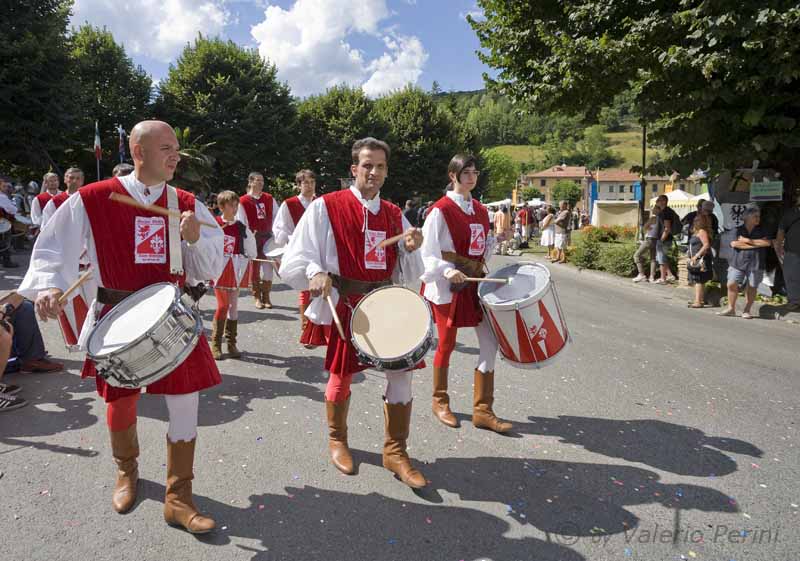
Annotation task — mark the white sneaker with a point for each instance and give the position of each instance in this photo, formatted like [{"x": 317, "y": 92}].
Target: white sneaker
[{"x": 639, "y": 278}]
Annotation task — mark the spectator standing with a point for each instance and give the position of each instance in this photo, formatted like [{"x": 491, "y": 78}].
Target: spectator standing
[
  {"x": 562, "y": 232},
  {"x": 748, "y": 263},
  {"x": 548, "y": 228},
  {"x": 700, "y": 265},
  {"x": 121, "y": 170},
  {"x": 503, "y": 229},
  {"x": 648, "y": 247},
  {"x": 411, "y": 213},
  {"x": 8, "y": 211},
  {"x": 666, "y": 218},
  {"x": 787, "y": 246}
]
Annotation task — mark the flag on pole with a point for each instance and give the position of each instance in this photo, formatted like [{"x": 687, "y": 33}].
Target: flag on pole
[
  {"x": 121, "y": 132},
  {"x": 97, "y": 150}
]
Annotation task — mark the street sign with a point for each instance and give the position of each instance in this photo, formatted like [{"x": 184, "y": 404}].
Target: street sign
[{"x": 761, "y": 191}]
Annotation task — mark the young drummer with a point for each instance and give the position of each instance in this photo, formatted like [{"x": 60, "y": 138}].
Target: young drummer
[
  {"x": 257, "y": 211},
  {"x": 456, "y": 246},
  {"x": 289, "y": 214},
  {"x": 240, "y": 247}
]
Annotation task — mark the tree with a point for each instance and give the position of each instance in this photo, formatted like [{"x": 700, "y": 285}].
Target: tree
[
  {"x": 231, "y": 97},
  {"x": 330, "y": 123},
  {"x": 594, "y": 150},
  {"x": 717, "y": 83},
  {"x": 196, "y": 167},
  {"x": 531, "y": 193},
  {"x": 565, "y": 190},
  {"x": 111, "y": 89},
  {"x": 37, "y": 96},
  {"x": 423, "y": 140},
  {"x": 501, "y": 174}
]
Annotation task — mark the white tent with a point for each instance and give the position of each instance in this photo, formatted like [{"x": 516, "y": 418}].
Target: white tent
[
  {"x": 615, "y": 213},
  {"x": 498, "y": 204},
  {"x": 674, "y": 196},
  {"x": 702, "y": 197}
]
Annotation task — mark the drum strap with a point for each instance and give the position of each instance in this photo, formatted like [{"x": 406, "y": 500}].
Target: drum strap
[
  {"x": 110, "y": 296},
  {"x": 472, "y": 267},
  {"x": 175, "y": 258}
]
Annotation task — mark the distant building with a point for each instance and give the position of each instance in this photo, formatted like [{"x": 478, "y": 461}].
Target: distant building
[{"x": 546, "y": 180}]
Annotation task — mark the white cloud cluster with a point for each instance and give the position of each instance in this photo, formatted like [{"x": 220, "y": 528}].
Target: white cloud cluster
[
  {"x": 309, "y": 45},
  {"x": 158, "y": 29}
]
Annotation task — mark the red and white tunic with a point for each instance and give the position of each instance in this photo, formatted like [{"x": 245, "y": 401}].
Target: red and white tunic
[
  {"x": 52, "y": 206},
  {"x": 239, "y": 247},
  {"x": 339, "y": 234},
  {"x": 117, "y": 240},
  {"x": 37, "y": 206},
  {"x": 458, "y": 226},
  {"x": 289, "y": 215},
  {"x": 258, "y": 214}
]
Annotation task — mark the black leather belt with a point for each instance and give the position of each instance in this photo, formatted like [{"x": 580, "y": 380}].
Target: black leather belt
[{"x": 347, "y": 287}]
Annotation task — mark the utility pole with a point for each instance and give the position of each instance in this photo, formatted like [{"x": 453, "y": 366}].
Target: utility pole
[{"x": 643, "y": 182}]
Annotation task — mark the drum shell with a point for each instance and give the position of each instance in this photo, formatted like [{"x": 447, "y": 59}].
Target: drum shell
[
  {"x": 399, "y": 363},
  {"x": 156, "y": 353},
  {"x": 531, "y": 332}
]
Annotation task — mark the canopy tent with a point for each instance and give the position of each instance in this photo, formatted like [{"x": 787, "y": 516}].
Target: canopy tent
[
  {"x": 498, "y": 204},
  {"x": 615, "y": 213},
  {"x": 673, "y": 197}
]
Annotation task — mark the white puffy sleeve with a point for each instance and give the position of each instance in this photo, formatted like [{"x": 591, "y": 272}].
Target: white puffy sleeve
[
  {"x": 48, "y": 212},
  {"x": 36, "y": 212},
  {"x": 283, "y": 225},
  {"x": 58, "y": 248},
  {"x": 203, "y": 260},
  {"x": 249, "y": 242},
  {"x": 437, "y": 239},
  {"x": 241, "y": 216}
]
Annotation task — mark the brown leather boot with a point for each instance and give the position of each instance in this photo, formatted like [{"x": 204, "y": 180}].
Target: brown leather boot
[
  {"x": 217, "y": 328},
  {"x": 441, "y": 401},
  {"x": 397, "y": 420},
  {"x": 337, "y": 436},
  {"x": 255, "y": 286},
  {"x": 482, "y": 415},
  {"x": 231, "y": 332},
  {"x": 125, "y": 448},
  {"x": 179, "y": 509},
  {"x": 266, "y": 286},
  {"x": 303, "y": 318}
]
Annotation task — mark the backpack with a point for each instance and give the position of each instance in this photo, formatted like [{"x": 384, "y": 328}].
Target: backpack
[{"x": 676, "y": 228}]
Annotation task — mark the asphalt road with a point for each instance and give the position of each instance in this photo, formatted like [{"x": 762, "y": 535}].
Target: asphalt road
[{"x": 661, "y": 433}]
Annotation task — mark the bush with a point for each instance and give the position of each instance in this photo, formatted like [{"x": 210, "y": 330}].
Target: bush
[
  {"x": 586, "y": 253},
  {"x": 617, "y": 259},
  {"x": 607, "y": 234}
]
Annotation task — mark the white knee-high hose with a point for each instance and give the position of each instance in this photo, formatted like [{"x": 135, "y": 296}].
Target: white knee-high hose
[
  {"x": 182, "y": 416},
  {"x": 488, "y": 346},
  {"x": 398, "y": 387}
]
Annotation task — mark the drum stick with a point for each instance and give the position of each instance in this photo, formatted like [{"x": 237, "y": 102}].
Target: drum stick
[
  {"x": 336, "y": 320},
  {"x": 265, "y": 260},
  {"x": 75, "y": 285},
  {"x": 130, "y": 201},
  {"x": 475, "y": 279}
]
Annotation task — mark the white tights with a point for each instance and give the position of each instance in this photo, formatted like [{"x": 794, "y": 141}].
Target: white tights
[
  {"x": 182, "y": 416},
  {"x": 398, "y": 387},
  {"x": 488, "y": 347}
]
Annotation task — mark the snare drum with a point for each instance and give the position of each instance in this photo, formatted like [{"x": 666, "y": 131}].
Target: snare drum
[
  {"x": 145, "y": 337},
  {"x": 525, "y": 315},
  {"x": 392, "y": 328}
]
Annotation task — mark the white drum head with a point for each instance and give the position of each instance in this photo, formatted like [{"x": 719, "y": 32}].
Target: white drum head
[
  {"x": 131, "y": 318},
  {"x": 529, "y": 282},
  {"x": 276, "y": 253},
  {"x": 390, "y": 322}
]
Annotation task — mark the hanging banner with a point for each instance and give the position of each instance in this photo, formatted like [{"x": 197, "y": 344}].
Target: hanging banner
[{"x": 761, "y": 191}]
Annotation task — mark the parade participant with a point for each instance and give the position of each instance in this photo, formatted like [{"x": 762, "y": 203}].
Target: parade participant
[
  {"x": 50, "y": 184},
  {"x": 336, "y": 252},
  {"x": 73, "y": 179},
  {"x": 128, "y": 249},
  {"x": 289, "y": 214},
  {"x": 457, "y": 246},
  {"x": 257, "y": 211},
  {"x": 239, "y": 248}
]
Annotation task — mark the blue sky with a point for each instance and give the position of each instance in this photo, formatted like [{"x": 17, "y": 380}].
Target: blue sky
[{"x": 377, "y": 44}]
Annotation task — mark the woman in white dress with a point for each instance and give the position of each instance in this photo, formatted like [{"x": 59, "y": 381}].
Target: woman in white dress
[{"x": 548, "y": 229}]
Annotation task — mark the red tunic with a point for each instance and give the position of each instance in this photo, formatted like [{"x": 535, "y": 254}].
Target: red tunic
[
  {"x": 44, "y": 198},
  {"x": 59, "y": 199},
  {"x": 468, "y": 232},
  {"x": 351, "y": 223},
  {"x": 296, "y": 208},
  {"x": 115, "y": 228},
  {"x": 258, "y": 212},
  {"x": 234, "y": 246}
]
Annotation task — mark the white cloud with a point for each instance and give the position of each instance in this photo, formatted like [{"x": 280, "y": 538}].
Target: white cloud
[
  {"x": 309, "y": 45},
  {"x": 158, "y": 29}
]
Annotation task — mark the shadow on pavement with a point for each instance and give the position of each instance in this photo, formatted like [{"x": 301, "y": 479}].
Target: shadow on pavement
[{"x": 665, "y": 446}]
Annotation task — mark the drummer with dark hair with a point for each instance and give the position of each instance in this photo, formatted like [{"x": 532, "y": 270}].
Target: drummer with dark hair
[
  {"x": 289, "y": 214},
  {"x": 336, "y": 251},
  {"x": 129, "y": 249},
  {"x": 457, "y": 246},
  {"x": 257, "y": 211}
]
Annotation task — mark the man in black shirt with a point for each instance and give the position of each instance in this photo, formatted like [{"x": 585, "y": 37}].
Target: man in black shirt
[
  {"x": 411, "y": 213},
  {"x": 748, "y": 262},
  {"x": 787, "y": 246},
  {"x": 666, "y": 218}
]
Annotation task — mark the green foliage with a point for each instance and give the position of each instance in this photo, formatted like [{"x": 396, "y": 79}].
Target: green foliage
[
  {"x": 567, "y": 191},
  {"x": 617, "y": 259},
  {"x": 423, "y": 139},
  {"x": 111, "y": 90},
  {"x": 532, "y": 193},
  {"x": 716, "y": 82},
  {"x": 329, "y": 124},
  {"x": 586, "y": 253},
  {"x": 37, "y": 94},
  {"x": 196, "y": 168},
  {"x": 607, "y": 234},
  {"x": 501, "y": 174},
  {"x": 231, "y": 97}
]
